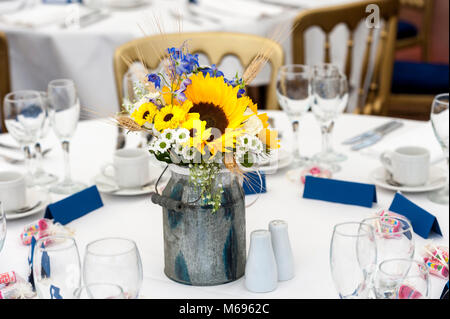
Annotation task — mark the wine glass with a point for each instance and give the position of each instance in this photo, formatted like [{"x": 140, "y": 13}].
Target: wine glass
[
  {"x": 293, "y": 92},
  {"x": 2, "y": 226},
  {"x": 64, "y": 114},
  {"x": 56, "y": 267},
  {"x": 100, "y": 291},
  {"x": 24, "y": 117},
  {"x": 353, "y": 256},
  {"x": 116, "y": 261},
  {"x": 330, "y": 97},
  {"x": 439, "y": 121},
  {"x": 41, "y": 177},
  {"x": 402, "y": 279}
]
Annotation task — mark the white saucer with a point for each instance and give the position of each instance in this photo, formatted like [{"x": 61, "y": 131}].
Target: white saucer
[
  {"x": 36, "y": 200},
  {"x": 284, "y": 160},
  {"x": 107, "y": 185},
  {"x": 437, "y": 179}
]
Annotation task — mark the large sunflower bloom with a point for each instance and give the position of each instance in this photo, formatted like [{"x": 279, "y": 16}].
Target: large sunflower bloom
[
  {"x": 218, "y": 105},
  {"x": 145, "y": 113}
]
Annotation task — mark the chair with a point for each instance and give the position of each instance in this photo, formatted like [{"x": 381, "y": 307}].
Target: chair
[
  {"x": 408, "y": 34},
  {"x": 5, "y": 84},
  {"x": 372, "y": 96},
  {"x": 215, "y": 45}
]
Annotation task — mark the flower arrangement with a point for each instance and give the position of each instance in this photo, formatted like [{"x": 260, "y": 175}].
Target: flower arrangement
[{"x": 199, "y": 120}]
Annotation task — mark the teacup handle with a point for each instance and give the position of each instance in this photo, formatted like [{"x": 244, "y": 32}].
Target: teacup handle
[
  {"x": 386, "y": 160},
  {"x": 105, "y": 168}
]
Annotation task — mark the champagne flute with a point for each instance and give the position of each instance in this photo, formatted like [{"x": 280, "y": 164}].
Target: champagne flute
[
  {"x": 41, "y": 176},
  {"x": 330, "y": 97},
  {"x": 293, "y": 92},
  {"x": 24, "y": 117},
  {"x": 440, "y": 122},
  {"x": 116, "y": 261},
  {"x": 2, "y": 226},
  {"x": 56, "y": 267},
  {"x": 353, "y": 257},
  {"x": 64, "y": 114}
]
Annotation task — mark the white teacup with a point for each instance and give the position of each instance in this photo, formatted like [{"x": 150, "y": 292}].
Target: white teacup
[
  {"x": 409, "y": 165},
  {"x": 12, "y": 190},
  {"x": 131, "y": 168}
]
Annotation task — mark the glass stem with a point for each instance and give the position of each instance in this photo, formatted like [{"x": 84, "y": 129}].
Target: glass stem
[
  {"x": 28, "y": 159},
  {"x": 326, "y": 138},
  {"x": 296, "y": 148},
  {"x": 67, "y": 174},
  {"x": 38, "y": 149}
]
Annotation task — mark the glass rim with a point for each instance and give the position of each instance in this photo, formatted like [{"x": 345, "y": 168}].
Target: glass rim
[
  {"x": 85, "y": 287},
  {"x": 64, "y": 83},
  {"x": 284, "y": 69},
  {"x": 332, "y": 66},
  {"x": 436, "y": 99},
  {"x": 90, "y": 252},
  {"x": 8, "y": 98},
  {"x": 43, "y": 239},
  {"x": 393, "y": 217},
  {"x": 336, "y": 231},
  {"x": 423, "y": 267}
]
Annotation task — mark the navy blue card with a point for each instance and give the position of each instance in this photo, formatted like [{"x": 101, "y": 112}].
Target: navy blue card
[
  {"x": 74, "y": 206},
  {"x": 30, "y": 262},
  {"x": 422, "y": 221},
  {"x": 332, "y": 190},
  {"x": 252, "y": 183}
]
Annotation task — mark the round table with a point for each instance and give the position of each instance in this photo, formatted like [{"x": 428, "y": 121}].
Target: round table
[{"x": 310, "y": 221}]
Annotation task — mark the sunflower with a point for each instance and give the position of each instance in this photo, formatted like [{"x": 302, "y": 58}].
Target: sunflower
[
  {"x": 145, "y": 113},
  {"x": 172, "y": 116},
  {"x": 217, "y": 104}
]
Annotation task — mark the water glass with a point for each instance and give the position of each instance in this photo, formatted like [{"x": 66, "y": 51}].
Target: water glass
[
  {"x": 330, "y": 97},
  {"x": 100, "y": 291},
  {"x": 353, "y": 256},
  {"x": 56, "y": 267},
  {"x": 2, "y": 226},
  {"x": 116, "y": 261},
  {"x": 24, "y": 116},
  {"x": 440, "y": 123},
  {"x": 293, "y": 92},
  {"x": 64, "y": 108},
  {"x": 402, "y": 279}
]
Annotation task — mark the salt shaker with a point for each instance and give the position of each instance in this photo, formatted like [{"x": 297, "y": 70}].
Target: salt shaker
[
  {"x": 282, "y": 249},
  {"x": 261, "y": 268}
]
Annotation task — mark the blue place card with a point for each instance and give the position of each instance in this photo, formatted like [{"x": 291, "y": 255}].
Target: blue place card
[
  {"x": 30, "y": 262},
  {"x": 422, "y": 221},
  {"x": 332, "y": 190},
  {"x": 74, "y": 206},
  {"x": 252, "y": 183}
]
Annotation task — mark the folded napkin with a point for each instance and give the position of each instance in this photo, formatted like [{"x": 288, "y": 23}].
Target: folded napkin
[
  {"x": 41, "y": 15},
  {"x": 241, "y": 8},
  {"x": 254, "y": 183},
  {"x": 74, "y": 206},
  {"x": 332, "y": 190},
  {"x": 422, "y": 221}
]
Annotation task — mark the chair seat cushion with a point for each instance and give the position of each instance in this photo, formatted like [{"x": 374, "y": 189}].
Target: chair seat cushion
[
  {"x": 420, "y": 78},
  {"x": 406, "y": 30}
]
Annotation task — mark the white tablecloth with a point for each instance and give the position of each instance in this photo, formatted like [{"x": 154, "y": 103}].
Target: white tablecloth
[
  {"x": 310, "y": 221},
  {"x": 41, "y": 54}
]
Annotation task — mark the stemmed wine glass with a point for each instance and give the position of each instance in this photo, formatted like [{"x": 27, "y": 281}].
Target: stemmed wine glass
[
  {"x": 330, "y": 97},
  {"x": 100, "y": 291},
  {"x": 42, "y": 177},
  {"x": 440, "y": 122},
  {"x": 353, "y": 257},
  {"x": 64, "y": 108},
  {"x": 24, "y": 117},
  {"x": 293, "y": 92},
  {"x": 116, "y": 261},
  {"x": 2, "y": 226},
  {"x": 56, "y": 267}
]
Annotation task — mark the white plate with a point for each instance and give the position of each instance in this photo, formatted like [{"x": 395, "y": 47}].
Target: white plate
[
  {"x": 33, "y": 197},
  {"x": 107, "y": 185},
  {"x": 437, "y": 179},
  {"x": 284, "y": 160}
]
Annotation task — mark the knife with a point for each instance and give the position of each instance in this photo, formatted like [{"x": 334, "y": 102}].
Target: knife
[
  {"x": 369, "y": 141},
  {"x": 371, "y": 133}
]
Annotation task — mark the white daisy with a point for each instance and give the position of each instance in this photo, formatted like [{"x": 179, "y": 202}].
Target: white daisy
[
  {"x": 244, "y": 141},
  {"x": 169, "y": 135},
  {"x": 181, "y": 135},
  {"x": 256, "y": 145},
  {"x": 162, "y": 145},
  {"x": 189, "y": 153},
  {"x": 178, "y": 149}
]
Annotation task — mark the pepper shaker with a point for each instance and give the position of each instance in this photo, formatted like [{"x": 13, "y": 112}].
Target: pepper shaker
[{"x": 282, "y": 249}]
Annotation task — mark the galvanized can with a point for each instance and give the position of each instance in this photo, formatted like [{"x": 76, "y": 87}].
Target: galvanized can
[{"x": 201, "y": 247}]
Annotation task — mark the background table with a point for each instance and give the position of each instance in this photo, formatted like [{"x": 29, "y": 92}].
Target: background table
[{"x": 310, "y": 222}]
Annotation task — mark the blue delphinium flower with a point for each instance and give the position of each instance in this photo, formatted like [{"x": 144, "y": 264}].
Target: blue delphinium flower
[
  {"x": 154, "y": 78},
  {"x": 180, "y": 92},
  {"x": 213, "y": 71},
  {"x": 187, "y": 64}
]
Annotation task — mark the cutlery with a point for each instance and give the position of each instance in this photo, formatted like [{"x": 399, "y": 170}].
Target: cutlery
[
  {"x": 11, "y": 147},
  {"x": 371, "y": 133},
  {"x": 376, "y": 137},
  {"x": 13, "y": 160},
  {"x": 202, "y": 15},
  {"x": 87, "y": 19},
  {"x": 24, "y": 209}
]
